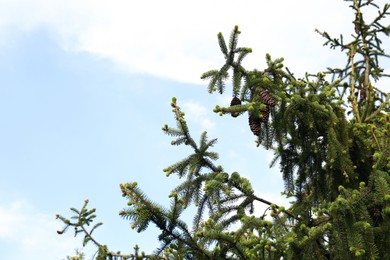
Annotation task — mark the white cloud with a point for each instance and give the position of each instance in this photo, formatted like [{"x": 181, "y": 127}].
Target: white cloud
[
  {"x": 177, "y": 39},
  {"x": 29, "y": 234},
  {"x": 197, "y": 113}
]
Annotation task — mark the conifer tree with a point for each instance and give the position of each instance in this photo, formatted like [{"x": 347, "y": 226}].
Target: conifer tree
[{"x": 330, "y": 135}]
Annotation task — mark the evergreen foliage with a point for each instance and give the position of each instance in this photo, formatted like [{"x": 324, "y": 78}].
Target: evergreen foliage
[
  {"x": 330, "y": 135},
  {"x": 78, "y": 256}
]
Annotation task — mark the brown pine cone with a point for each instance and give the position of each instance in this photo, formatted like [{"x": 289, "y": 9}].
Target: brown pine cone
[{"x": 235, "y": 101}]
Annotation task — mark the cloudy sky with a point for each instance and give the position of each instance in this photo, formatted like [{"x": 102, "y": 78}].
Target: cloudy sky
[{"x": 85, "y": 87}]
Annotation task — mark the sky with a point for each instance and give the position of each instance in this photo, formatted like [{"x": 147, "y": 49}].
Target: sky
[{"x": 85, "y": 88}]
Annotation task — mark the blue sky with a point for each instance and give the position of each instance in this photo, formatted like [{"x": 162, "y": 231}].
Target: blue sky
[{"x": 85, "y": 88}]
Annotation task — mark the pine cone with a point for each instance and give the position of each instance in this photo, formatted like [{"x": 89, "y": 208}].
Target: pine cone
[
  {"x": 265, "y": 114},
  {"x": 235, "y": 101},
  {"x": 376, "y": 215},
  {"x": 268, "y": 100},
  {"x": 254, "y": 125}
]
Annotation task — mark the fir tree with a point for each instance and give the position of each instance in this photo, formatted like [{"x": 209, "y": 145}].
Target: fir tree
[{"x": 330, "y": 135}]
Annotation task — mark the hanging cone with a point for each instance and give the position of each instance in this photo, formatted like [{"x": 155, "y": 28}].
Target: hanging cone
[
  {"x": 268, "y": 100},
  {"x": 235, "y": 101},
  {"x": 376, "y": 215},
  {"x": 265, "y": 114},
  {"x": 254, "y": 125}
]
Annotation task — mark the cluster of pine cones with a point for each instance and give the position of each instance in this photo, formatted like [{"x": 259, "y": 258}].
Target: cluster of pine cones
[{"x": 255, "y": 121}]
